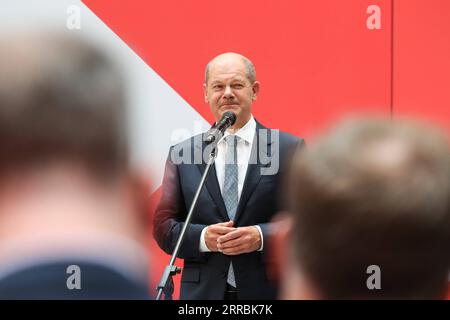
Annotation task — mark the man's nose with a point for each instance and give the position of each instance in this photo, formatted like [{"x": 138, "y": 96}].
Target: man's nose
[{"x": 228, "y": 92}]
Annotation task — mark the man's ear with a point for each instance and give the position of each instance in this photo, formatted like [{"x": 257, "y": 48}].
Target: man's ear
[
  {"x": 294, "y": 284},
  {"x": 255, "y": 89},
  {"x": 281, "y": 225},
  {"x": 205, "y": 92},
  {"x": 136, "y": 186}
]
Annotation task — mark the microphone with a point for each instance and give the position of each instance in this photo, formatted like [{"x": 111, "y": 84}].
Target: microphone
[{"x": 215, "y": 133}]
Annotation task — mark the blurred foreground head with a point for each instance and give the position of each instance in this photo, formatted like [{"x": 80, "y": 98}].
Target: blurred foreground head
[
  {"x": 370, "y": 192},
  {"x": 65, "y": 190},
  {"x": 60, "y": 101}
]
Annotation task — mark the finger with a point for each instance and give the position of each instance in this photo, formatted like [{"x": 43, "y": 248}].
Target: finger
[
  {"x": 220, "y": 230},
  {"x": 229, "y": 236},
  {"x": 243, "y": 248},
  {"x": 230, "y": 243},
  {"x": 226, "y": 224}
]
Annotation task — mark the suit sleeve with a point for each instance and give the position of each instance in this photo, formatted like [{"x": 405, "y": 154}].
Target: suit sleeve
[{"x": 170, "y": 215}]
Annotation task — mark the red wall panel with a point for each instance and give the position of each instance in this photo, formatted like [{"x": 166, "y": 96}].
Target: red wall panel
[
  {"x": 316, "y": 60},
  {"x": 422, "y": 59}
]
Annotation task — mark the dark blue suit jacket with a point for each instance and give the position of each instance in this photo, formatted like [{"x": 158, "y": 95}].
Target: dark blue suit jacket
[
  {"x": 204, "y": 275},
  {"x": 48, "y": 281}
]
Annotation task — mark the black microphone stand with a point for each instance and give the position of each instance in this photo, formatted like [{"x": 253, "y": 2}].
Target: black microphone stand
[{"x": 166, "y": 285}]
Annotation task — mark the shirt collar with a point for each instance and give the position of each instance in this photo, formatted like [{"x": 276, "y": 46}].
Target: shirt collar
[{"x": 247, "y": 132}]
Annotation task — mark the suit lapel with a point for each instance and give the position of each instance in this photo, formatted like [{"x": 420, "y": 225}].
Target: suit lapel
[
  {"x": 211, "y": 183},
  {"x": 253, "y": 175}
]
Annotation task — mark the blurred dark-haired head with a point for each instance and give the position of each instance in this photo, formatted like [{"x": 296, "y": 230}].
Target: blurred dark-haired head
[
  {"x": 67, "y": 195},
  {"x": 373, "y": 192},
  {"x": 60, "y": 100}
]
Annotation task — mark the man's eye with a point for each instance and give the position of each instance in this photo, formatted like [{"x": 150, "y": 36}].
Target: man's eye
[
  {"x": 238, "y": 86},
  {"x": 218, "y": 87}
]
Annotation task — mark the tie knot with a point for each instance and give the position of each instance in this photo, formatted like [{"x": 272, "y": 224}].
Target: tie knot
[{"x": 232, "y": 140}]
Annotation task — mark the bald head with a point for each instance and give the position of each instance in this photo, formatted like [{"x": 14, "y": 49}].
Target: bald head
[{"x": 231, "y": 57}]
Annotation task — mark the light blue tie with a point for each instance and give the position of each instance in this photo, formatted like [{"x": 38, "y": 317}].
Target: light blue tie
[{"x": 230, "y": 189}]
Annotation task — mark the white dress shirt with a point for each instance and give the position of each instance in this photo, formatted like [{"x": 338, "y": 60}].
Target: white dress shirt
[{"x": 244, "y": 148}]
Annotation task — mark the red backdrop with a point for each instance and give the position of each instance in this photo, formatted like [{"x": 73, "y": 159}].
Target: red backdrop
[{"x": 316, "y": 60}]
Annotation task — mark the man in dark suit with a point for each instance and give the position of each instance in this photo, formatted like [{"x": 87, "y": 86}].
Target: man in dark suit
[
  {"x": 224, "y": 248},
  {"x": 70, "y": 224}
]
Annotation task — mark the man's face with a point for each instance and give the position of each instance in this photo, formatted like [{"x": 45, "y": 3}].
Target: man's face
[{"x": 229, "y": 89}]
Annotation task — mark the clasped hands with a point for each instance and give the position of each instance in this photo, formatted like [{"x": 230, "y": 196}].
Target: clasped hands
[{"x": 224, "y": 238}]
